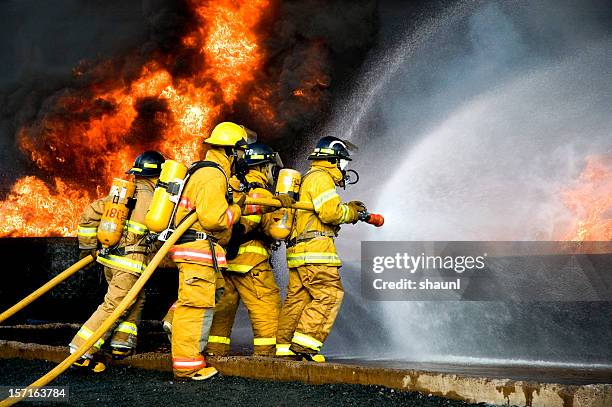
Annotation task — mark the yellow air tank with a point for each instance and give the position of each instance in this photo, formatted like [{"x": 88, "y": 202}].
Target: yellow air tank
[
  {"x": 115, "y": 212},
  {"x": 161, "y": 208},
  {"x": 288, "y": 183}
]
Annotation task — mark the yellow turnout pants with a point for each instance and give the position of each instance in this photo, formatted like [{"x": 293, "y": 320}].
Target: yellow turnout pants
[
  {"x": 258, "y": 290},
  {"x": 314, "y": 296},
  {"x": 200, "y": 287},
  {"x": 125, "y": 332}
]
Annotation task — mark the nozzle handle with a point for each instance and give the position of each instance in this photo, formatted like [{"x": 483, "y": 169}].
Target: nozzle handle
[{"x": 375, "y": 219}]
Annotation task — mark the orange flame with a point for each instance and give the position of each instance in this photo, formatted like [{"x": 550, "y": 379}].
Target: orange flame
[
  {"x": 94, "y": 142},
  {"x": 32, "y": 209},
  {"x": 590, "y": 201}
]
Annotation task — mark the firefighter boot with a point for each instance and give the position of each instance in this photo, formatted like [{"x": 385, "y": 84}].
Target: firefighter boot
[{"x": 204, "y": 373}]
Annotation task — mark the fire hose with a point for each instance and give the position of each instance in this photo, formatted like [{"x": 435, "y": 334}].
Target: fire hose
[
  {"x": 108, "y": 323},
  {"x": 46, "y": 287},
  {"x": 371, "y": 218},
  {"x": 374, "y": 219}
]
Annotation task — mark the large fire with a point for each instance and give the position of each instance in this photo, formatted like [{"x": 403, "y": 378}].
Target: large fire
[
  {"x": 590, "y": 201},
  {"x": 93, "y": 135}
]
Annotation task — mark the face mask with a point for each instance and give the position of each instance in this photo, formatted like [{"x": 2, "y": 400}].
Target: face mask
[{"x": 343, "y": 164}]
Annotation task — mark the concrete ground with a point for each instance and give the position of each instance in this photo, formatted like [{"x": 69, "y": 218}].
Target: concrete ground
[{"x": 123, "y": 385}]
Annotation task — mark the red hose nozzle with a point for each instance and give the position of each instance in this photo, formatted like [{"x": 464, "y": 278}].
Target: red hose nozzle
[{"x": 375, "y": 219}]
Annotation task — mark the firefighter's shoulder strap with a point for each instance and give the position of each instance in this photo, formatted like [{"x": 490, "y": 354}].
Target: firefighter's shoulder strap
[
  {"x": 308, "y": 234},
  {"x": 211, "y": 164}
]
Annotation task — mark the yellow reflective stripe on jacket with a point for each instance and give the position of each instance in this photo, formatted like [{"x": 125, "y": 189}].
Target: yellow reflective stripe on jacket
[
  {"x": 306, "y": 341},
  {"x": 324, "y": 197},
  {"x": 219, "y": 339},
  {"x": 345, "y": 212},
  {"x": 136, "y": 228},
  {"x": 85, "y": 333},
  {"x": 128, "y": 328},
  {"x": 253, "y": 249},
  {"x": 239, "y": 268},
  {"x": 282, "y": 349},
  {"x": 252, "y": 218},
  {"x": 114, "y": 261},
  {"x": 87, "y": 232},
  {"x": 297, "y": 259},
  {"x": 264, "y": 341}
]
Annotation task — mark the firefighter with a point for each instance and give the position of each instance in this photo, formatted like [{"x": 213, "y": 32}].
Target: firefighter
[
  {"x": 249, "y": 276},
  {"x": 122, "y": 263},
  {"x": 200, "y": 253},
  {"x": 314, "y": 291}
]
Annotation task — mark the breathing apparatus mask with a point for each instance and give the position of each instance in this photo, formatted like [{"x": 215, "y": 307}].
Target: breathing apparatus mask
[
  {"x": 237, "y": 155},
  {"x": 349, "y": 176}
]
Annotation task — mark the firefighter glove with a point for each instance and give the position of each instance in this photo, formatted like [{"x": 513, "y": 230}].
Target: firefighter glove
[
  {"x": 241, "y": 200},
  {"x": 285, "y": 200},
  {"x": 358, "y": 206}
]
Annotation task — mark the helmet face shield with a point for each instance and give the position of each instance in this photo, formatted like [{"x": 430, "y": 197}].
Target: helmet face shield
[
  {"x": 276, "y": 160},
  {"x": 251, "y": 136},
  {"x": 343, "y": 164}
]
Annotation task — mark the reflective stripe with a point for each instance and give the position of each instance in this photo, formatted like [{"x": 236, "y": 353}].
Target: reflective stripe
[
  {"x": 112, "y": 260},
  {"x": 297, "y": 259},
  {"x": 136, "y": 169},
  {"x": 325, "y": 150},
  {"x": 264, "y": 341},
  {"x": 252, "y": 218},
  {"x": 230, "y": 217},
  {"x": 179, "y": 253},
  {"x": 149, "y": 165},
  {"x": 345, "y": 212},
  {"x": 253, "y": 249},
  {"x": 87, "y": 232},
  {"x": 185, "y": 203},
  {"x": 136, "y": 228},
  {"x": 253, "y": 209},
  {"x": 324, "y": 197},
  {"x": 219, "y": 339},
  {"x": 85, "y": 333},
  {"x": 239, "y": 268},
  {"x": 307, "y": 341},
  {"x": 128, "y": 328},
  {"x": 188, "y": 363},
  {"x": 282, "y": 349}
]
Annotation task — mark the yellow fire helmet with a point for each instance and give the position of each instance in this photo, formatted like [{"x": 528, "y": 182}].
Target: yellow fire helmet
[{"x": 228, "y": 134}]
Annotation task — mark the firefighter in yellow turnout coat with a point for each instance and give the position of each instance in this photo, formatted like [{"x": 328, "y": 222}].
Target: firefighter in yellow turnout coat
[
  {"x": 314, "y": 291},
  {"x": 200, "y": 253},
  {"x": 249, "y": 276},
  {"x": 122, "y": 264}
]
